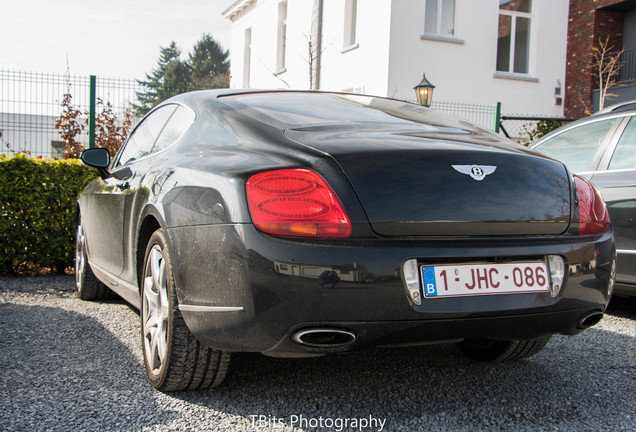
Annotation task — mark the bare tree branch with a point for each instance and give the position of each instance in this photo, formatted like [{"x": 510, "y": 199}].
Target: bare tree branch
[{"x": 607, "y": 65}]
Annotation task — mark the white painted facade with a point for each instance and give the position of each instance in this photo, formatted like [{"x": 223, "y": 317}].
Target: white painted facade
[{"x": 391, "y": 51}]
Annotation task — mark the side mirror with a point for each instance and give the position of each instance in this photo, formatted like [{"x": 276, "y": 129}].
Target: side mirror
[{"x": 97, "y": 158}]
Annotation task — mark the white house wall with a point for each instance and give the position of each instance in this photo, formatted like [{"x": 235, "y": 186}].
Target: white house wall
[
  {"x": 364, "y": 68},
  {"x": 263, "y": 21},
  {"x": 391, "y": 56},
  {"x": 339, "y": 70},
  {"x": 465, "y": 72}
]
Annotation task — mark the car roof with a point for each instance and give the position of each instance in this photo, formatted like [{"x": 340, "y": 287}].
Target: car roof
[
  {"x": 585, "y": 120},
  {"x": 619, "y": 107}
]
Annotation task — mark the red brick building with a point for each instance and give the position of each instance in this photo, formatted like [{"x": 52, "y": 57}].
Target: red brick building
[{"x": 589, "y": 22}]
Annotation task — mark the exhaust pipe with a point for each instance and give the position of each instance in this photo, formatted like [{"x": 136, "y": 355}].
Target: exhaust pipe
[
  {"x": 324, "y": 337},
  {"x": 589, "y": 319}
]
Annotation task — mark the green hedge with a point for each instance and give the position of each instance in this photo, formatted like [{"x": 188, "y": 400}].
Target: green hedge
[{"x": 38, "y": 203}]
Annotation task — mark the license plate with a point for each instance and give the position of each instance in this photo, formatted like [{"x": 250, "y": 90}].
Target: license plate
[{"x": 453, "y": 280}]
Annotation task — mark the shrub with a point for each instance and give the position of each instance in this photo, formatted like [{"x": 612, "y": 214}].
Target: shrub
[
  {"x": 542, "y": 128},
  {"x": 39, "y": 212},
  {"x": 110, "y": 132}
]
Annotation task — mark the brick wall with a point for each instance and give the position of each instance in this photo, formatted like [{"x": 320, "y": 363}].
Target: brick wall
[{"x": 587, "y": 24}]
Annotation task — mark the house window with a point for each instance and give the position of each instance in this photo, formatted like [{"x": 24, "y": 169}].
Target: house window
[
  {"x": 439, "y": 17},
  {"x": 513, "y": 42},
  {"x": 282, "y": 36},
  {"x": 351, "y": 10},
  {"x": 247, "y": 57}
]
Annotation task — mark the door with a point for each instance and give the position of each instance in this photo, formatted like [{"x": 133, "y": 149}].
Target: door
[
  {"x": 106, "y": 219},
  {"x": 617, "y": 183}
]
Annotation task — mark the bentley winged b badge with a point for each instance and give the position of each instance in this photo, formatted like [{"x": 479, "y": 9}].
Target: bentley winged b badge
[{"x": 478, "y": 172}]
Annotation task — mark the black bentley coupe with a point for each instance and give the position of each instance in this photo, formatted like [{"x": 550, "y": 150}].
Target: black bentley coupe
[{"x": 306, "y": 223}]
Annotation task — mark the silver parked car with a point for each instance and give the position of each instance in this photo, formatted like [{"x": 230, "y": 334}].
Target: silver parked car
[{"x": 602, "y": 148}]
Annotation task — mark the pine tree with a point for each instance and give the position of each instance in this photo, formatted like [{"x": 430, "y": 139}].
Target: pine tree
[
  {"x": 154, "y": 81},
  {"x": 210, "y": 64},
  {"x": 177, "y": 78},
  {"x": 207, "y": 67}
]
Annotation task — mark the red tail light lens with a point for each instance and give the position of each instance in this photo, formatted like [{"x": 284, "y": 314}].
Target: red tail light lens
[
  {"x": 593, "y": 216},
  {"x": 296, "y": 202}
]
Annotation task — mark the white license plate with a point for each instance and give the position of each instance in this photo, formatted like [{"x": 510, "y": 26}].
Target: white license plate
[{"x": 453, "y": 280}]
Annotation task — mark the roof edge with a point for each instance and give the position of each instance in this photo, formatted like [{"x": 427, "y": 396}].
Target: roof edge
[{"x": 237, "y": 8}]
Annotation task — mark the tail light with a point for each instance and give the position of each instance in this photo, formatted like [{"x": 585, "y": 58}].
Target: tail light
[
  {"x": 593, "y": 216},
  {"x": 296, "y": 202}
]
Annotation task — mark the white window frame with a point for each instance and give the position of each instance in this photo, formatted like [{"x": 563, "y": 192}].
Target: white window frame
[
  {"x": 513, "y": 34},
  {"x": 281, "y": 44},
  {"x": 350, "y": 26},
  {"x": 437, "y": 36},
  {"x": 440, "y": 4}
]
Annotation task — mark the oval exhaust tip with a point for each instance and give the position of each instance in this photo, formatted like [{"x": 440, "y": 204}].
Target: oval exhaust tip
[
  {"x": 324, "y": 337},
  {"x": 590, "y": 319}
]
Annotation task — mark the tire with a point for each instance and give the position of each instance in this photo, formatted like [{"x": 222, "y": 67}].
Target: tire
[
  {"x": 492, "y": 350},
  {"x": 174, "y": 359},
  {"x": 86, "y": 283}
]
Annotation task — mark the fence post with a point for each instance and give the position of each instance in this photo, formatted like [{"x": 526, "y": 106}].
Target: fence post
[
  {"x": 497, "y": 117},
  {"x": 91, "y": 114}
]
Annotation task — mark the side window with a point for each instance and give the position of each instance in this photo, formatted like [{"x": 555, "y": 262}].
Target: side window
[
  {"x": 143, "y": 137},
  {"x": 176, "y": 126},
  {"x": 624, "y": 156},
  {"x": 576, "y": 147},
  {"x": 440, "y": 17}
]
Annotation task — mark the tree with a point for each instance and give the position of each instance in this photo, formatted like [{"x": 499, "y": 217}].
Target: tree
[
  {"x": 206, "y": 67},
  {"x": 110, "y": 133},
  {"x": 607, "y": 66},
  {"x": 177, "y": 78},
  {"x": 315, "y": 46},
  {"x": 209, "y": 63},
  {"x": 154, "y": 80},
  {"x": 70, "y": 125}
]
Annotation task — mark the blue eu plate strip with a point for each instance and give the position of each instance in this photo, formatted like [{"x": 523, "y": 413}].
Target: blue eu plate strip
[{"x": 430, "y": 287}]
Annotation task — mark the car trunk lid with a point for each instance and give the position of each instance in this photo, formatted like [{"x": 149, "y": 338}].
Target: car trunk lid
[{"x": 441, "y": 182}]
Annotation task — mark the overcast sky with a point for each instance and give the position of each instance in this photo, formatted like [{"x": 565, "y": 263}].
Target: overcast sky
[{"x": 110, "y": 38}]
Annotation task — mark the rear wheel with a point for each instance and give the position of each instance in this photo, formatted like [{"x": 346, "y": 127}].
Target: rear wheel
[
  {"x": 493, "y": 350},
  {"x": 174, "y": 359},
  {"x": 87, "y": 285}
]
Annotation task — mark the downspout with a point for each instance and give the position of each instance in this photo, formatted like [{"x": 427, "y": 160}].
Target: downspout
[{"x": 316, "y": 31}]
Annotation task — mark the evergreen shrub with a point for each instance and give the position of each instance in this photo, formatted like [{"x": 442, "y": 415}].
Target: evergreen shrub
[{"x": 38, "y": 209}]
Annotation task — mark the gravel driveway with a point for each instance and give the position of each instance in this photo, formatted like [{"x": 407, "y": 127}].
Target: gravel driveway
[{"x": 69, "y": 365}]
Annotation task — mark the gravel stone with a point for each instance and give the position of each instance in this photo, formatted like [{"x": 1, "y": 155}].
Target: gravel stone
[{"x": 71, "y": 365}]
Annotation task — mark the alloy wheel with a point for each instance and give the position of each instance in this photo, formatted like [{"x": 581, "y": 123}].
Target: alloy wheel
[{"x": 156, "y": 310}]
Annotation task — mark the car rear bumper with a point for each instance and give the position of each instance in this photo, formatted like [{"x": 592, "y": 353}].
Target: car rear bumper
[{"x": 242, "y": 290}]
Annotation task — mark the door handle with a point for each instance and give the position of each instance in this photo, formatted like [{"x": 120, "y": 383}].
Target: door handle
[{"x": 123, "y": 184}]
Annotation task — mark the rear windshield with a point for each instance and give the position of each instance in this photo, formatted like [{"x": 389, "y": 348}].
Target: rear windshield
[{"x": 290, "y": 110}]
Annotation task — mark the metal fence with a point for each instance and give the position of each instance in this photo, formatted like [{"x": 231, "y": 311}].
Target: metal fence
[
  {"x": 627, "y": 61},
  {"x": 481, "y": 115},
  {"x": 31, "y": 101},
  {"x": 525, "y": 129},
  {"x": 518, "y": 128}
]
